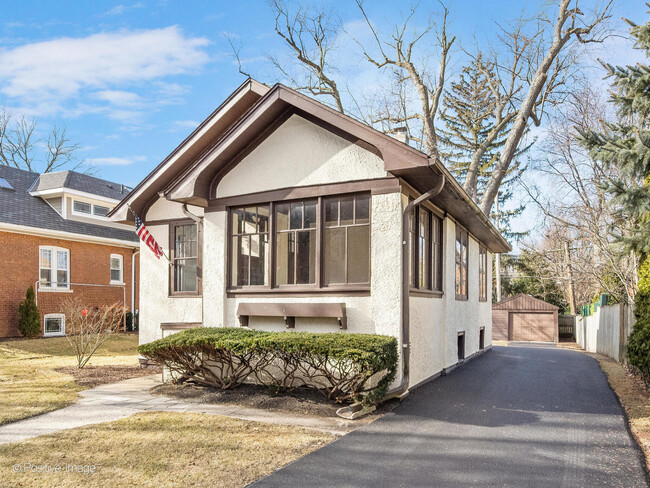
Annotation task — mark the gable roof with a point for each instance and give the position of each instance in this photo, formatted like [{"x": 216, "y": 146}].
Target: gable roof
[
  {"x": 195, "y": 180},
  {"x": 524, "y": 301},
  {"x": 80, "y": 182},
  {"x": 18, "y": 207}
]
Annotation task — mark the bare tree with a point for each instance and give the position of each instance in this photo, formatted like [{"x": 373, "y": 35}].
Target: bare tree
[
  {"x": 546, "y": 67},
  {"x": 21, "y": 146},
  {"x": 580, "y": 211},
  {"x": 310, "y": 35},
  {"x": 398, "y": 51},
  {"x": 88, "y": 328}
]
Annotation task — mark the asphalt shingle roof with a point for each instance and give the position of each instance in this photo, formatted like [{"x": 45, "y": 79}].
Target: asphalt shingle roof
[
  {"x": 80, "y": 182},
  {"x": 18, "y": 207}
]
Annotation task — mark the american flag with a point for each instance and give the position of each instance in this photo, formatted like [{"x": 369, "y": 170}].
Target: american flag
[{"x": 146, "y": 237}]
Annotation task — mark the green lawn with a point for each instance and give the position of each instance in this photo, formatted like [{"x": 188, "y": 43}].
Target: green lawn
[
  {"x": 161, "y": 450},
  {"x": 29, "y": 384}
]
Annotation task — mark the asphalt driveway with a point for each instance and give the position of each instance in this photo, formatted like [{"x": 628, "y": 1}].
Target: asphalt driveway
[{"x": 516, "y": 416}]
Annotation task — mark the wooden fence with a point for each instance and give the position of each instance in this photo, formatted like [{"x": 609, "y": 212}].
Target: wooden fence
[{"x": 567, "y": 326}]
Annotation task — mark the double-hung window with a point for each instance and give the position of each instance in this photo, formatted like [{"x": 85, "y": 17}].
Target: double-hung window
[
  {"x": 306, "y": 244},
  {"x": 425, "y": 268},
  {"x": 185, "y": 257},
  {"x": 116, "y": 269},
  {"x": 54, "y": 268},
  {"x": 482, "y": 274},
  {"x": 462, "y": 255}
]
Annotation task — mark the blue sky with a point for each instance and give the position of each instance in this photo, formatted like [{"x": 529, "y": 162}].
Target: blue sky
[{"x": 131, "y": 80}]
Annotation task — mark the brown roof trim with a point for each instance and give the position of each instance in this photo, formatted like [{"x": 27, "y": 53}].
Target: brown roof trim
[{"x": 134, "y": 196}]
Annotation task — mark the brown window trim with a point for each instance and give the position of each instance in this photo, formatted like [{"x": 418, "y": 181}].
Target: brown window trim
[
  {"x": 461, "y": 231},
  {"x": 415, "y": 290},
  {"x": 376, "y": 186},
  {"x": 199, "y": 260},
  {"x": 316, "y": 289}
]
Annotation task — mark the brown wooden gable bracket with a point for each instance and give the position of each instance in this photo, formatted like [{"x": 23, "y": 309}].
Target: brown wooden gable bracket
[{"x": 289, "y": 312}]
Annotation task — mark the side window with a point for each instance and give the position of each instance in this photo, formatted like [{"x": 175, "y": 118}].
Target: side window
[
  {"x": 116, "y": 269},
  {"x": 425, "y": 266},
  {"x": 54, "y": 267},
  {"x": 185, "y": 252},
  {"x": 482, "y": 274},
  {"x": 462, "y": 241}
]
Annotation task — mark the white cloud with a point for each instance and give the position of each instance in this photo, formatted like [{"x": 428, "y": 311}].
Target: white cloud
[
  {"x": 186, "y": 124},
  {"x": 54, "y": 75},
  {"x": 120, "y": 9},
  {"x": 114, "y": 161}
]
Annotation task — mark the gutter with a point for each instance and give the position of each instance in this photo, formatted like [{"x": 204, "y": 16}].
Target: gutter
[{"x": 402, "y": 389}]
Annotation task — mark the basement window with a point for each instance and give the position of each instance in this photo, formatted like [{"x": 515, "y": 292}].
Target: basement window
[
  {"x": 54, "y": 325},
  {"x": 481, "y": 338},
  {"x": 461, "y": 346}
]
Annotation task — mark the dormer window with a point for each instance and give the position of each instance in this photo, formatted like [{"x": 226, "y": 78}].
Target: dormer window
[
  {"x": 82, "y": 207},
  {"x": 86, "y": 208}
]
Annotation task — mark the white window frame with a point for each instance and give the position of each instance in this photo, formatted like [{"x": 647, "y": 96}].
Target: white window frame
[
  {"x": 92, "y": 214},
  {"x": 54, "y": 316},
  {"x": 53, "y": 269},
  {"x": 121, "y": 280}
]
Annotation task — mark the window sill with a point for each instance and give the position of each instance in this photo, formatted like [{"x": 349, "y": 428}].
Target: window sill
[
  {"x": 55, "y": 290},
  {"x": 416, "y": 292},
  {"x": 298, "y": 292},
  {"x": 184, "y": 295},
  {"x": 461, "y": 299},
  {"x": 117, "y": 283},
  {"x": 54, "y": 334},
  {"x": 483, "y": 300}
]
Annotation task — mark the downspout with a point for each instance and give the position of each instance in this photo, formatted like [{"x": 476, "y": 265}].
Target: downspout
[
  {"x": 402, "y": 388},
  {"x": 135, "y": 253},
  {"x": 199, "y": 222}
]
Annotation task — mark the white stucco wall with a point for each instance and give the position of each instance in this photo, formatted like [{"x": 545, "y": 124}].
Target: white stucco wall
[
  {"x": 156, "y": 306},
  {"x": 300, "y": 153}
]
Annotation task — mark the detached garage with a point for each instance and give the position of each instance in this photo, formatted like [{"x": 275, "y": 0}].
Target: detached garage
[{"x": 524, "y": 318}]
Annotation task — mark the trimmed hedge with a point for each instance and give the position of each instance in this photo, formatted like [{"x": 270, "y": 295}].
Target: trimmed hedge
[{"x": 346, "y": 367}]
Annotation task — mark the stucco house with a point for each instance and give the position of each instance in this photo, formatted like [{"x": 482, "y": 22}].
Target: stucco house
[
  {"x": 280, "y": 213},
  {"x": 55, "y": 236}
]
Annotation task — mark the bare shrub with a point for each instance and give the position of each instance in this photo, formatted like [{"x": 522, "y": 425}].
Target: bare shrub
[{"x": 87, "y": 328}]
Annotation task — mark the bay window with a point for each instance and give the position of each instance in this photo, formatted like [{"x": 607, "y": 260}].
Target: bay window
[{"x": 301, "y": 245}]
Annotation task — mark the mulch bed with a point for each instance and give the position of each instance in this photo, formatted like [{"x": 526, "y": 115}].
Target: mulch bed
[
  {"x": 303, "y": 401},
  {"x": 91, "y": 376}
]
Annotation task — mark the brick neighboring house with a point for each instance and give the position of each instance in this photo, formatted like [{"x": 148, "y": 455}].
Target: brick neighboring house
[{"x": 54, "y": 234}]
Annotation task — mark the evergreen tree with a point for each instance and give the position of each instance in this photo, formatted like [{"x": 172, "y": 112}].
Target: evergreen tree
[
  {"x": 468, "y": 116},
  {"x": 29, "y": 320},
  {"x": 625, "y": 144}
]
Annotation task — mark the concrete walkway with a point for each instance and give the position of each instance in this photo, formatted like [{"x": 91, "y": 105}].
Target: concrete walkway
[
  {"x": 118, "y": 400},
  {"x": 514, "y": 417}
]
